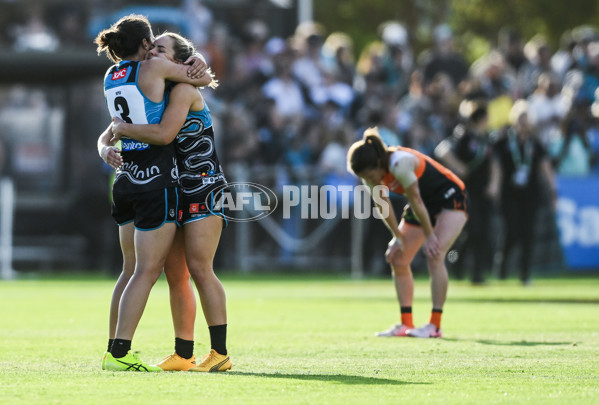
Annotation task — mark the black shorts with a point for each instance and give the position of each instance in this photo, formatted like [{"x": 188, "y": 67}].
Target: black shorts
[
  {"x": 453, "y": 198},
  {"x": 148, "y": 210},
  {"x": 194, "y": 207}
]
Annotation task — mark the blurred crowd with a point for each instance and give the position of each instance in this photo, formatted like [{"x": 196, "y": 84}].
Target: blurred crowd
[
  {"x": 303, "y": 99},
  {"x": 297, "y": 103}
]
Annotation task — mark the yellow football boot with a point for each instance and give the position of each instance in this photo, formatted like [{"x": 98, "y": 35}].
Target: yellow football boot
[
  {"x": 214, "y": 361},
  {"x": 174, "y": 362}
]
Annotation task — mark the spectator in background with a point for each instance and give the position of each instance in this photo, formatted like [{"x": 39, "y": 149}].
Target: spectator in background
[
  {"x": 243, "y": 143},
  {"x": 376, "y": 119},
  {"x": 511, "y": 47},
  {"x": 338, "y": 54},
  {"x": 468, "y": 153},
  {"x": 492, "y": 80},
  {"x": 285, "y": 90},
  {"x": 272, "y": 130},
  {"x": 443, "y": 58},
  {"x": 215, "y": 51},
  {"x": 411, "y": 105},
  {"x": 71, "y": 27},
  {"x": 200, "y": 21},
  {"x": 547, "y": 108},
  {"x": 332, "y": 90},
  {"x": 563, "y": 60},
  {"x": 590, "y": 75},
  {"x": 573, "y": 153},
  {"x": 397, "y": 58},
  {"x": 308, "y": 66},
  {"x": 34, "y": 33},
  {"x": 252, "y": 63},
  {"x": 538, "y": 53},
  {"x": 525, "y": 164}
]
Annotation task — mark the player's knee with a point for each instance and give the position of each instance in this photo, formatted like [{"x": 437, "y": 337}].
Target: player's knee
[
  {"x": 179, "y": 278},
  {"x": 147, "y": 274},
  {"x": 400, "y": 267},
  {"x": 201, "y": 271}
]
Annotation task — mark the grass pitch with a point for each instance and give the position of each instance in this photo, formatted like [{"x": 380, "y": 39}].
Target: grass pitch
[{"x": 310, "y": 340}]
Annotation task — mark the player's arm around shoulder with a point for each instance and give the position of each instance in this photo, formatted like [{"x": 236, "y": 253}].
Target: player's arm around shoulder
[
  {"x": 183, "y": 97},
  {"x": 176, "y": 72}
]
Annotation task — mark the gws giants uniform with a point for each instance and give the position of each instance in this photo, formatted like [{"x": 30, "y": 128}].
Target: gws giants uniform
[
  {"x": 145, "y": 186},
  {"x": 439, "y": 187},
  {"x": 200, "y": 171}
]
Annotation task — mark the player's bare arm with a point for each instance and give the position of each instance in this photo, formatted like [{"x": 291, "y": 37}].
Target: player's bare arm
[
  {"x": 182, "y": 98},
  {"x": 106, "y": 149},
  {"x": 177, "y": 72},
  {"x": 396, "y": 244},
  {"x": 431, "y": 247}
]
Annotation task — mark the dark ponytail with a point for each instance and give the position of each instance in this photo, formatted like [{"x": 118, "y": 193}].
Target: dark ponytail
[
  {"x": 124, "y": 37},
  {"x": 368, "y": 153}
]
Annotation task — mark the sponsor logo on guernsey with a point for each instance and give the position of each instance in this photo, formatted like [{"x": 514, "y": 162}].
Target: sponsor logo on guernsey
[
  {"x": 131, "y": 144},
  {"x": 119, "y": 74}
]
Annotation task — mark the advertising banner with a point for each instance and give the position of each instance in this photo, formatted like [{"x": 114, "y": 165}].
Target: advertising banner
[{"x": 578, "y": 221}]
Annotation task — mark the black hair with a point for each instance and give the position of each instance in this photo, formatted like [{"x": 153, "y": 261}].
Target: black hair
[
  {"x": 124, "y": 37},
  {"x": 368, "y": 153}
]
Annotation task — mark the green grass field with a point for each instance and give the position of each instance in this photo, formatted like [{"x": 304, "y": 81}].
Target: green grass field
[{"x": 309, "y": 340}]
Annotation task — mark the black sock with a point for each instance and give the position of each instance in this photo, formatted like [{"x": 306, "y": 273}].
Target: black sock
[
  {"x": 120, "y": 347},
  {"x": 218, "y": 338},
  {"x": 110, "y": 341},
  {"x": 437, "y": 310},
  {"x": 405, "y": 310},
  {"x": 184, "y": 348}
]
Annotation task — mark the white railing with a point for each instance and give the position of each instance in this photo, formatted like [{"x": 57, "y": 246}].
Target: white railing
[{"x": 7, "y": 208}]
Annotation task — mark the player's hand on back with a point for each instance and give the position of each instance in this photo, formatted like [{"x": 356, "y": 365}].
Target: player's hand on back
[{"x": 198, "y": 66}]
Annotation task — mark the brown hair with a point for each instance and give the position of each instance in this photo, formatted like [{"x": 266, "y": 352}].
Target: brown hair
[
  {"x": 183, "y": 49},
  {"x": 124, "y": 37},
  {"x": 368, "y": 153}
]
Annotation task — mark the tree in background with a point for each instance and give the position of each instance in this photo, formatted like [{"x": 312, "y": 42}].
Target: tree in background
[{"x": 477, "y": 21}]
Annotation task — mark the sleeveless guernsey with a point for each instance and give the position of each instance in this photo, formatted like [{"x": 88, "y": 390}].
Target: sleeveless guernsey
[
  {"x": 199, "y": 167},
  {"x": 434, "y": 179},
  {"x": 145, "y": 167}
]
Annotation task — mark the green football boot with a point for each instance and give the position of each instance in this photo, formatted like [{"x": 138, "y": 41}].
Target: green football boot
[{"x": 130, "y": 362}]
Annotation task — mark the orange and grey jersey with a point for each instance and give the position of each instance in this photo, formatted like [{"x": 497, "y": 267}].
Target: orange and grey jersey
[
  {"x": 434, "y": 179},
  {"x": 199, "y": 167},
  {"x": 145, "y": 167}
]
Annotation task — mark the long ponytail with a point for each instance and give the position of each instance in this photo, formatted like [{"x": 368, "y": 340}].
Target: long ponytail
[{"x": 368, "y": 153}]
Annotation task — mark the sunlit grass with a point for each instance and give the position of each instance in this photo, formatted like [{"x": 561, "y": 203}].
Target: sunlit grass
[{"x": 311, "y": 340}]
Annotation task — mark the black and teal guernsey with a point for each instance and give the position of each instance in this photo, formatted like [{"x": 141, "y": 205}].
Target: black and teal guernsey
[
  {"x": 145, "y": 167},
  {"x": 199, "y": 168}
]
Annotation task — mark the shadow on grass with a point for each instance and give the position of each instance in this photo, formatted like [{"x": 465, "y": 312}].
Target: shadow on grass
[
  {"x": 335, "y": 378},
  {"x": 512, "y": 343}
]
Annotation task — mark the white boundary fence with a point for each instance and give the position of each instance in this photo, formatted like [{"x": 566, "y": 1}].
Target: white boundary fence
[{"x": 7, "y": 208}]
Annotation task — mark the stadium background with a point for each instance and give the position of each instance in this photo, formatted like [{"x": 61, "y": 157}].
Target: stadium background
[{"x": 52, "y": 110}]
